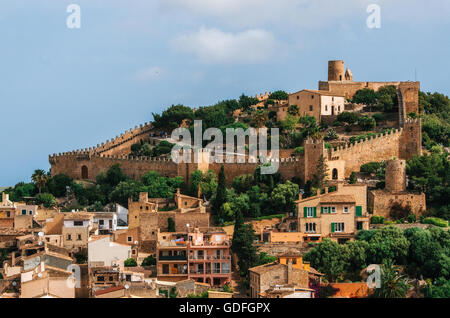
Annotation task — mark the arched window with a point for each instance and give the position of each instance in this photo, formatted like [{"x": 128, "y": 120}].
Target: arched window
[
  {"x": 335, "y": 174},
  {"x": 84, "y": 173}
]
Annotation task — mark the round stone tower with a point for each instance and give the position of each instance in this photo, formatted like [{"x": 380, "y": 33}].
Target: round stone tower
[
  {"x": 396, "y": 175},
  {"x": 336, "y": 71}
]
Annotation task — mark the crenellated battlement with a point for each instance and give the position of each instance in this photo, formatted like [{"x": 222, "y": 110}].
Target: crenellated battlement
[
  {"x": 109, "y": 144},
  {"x": 368, "y": 141}
]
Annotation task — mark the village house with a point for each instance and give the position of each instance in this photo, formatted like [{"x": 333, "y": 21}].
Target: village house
[
  {"x": 315, "y": 103},
  {"x": 337, "y": 215},
  {"x": 106, "y": 222},
  {"x": 209, "y": 257},
  {"x": 288, "y": 272},
  {"x": 171, "y": 257},
  {"x": 103, "y": 252},
  {"x": 76, "y": 229}
]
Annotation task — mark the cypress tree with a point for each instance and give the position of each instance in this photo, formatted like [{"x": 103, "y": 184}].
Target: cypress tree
[{"x": 221, "y": 194}]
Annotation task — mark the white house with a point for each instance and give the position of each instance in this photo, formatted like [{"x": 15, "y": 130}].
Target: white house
[
  {"x": 103, "y": 252},
  {"x": 106, "y": 221}
]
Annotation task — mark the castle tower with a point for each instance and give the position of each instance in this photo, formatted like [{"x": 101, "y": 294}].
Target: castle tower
[
  {"x": 411, "y": 138},
  {"x": 314, "y": 149},
  {"x": 396, "y": 175},
  {"x": 408, "y": 100},
  {"x": 336, "y": 71}
]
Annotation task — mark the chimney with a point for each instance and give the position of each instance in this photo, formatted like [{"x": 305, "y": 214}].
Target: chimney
[
  {"x": 318, "y": 192},
  {"x": 5, "y": 197},
  {"x": 326, "y": 190},
  {"x": 143, "y": 197}
]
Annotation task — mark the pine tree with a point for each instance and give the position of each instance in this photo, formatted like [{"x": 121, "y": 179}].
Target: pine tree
[
  {"x": 221, "y": 194},
  {"x": 320, "y": 174}
]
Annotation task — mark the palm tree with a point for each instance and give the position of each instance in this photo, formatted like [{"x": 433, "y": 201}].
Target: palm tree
[
  {"x": 40, "y": 178},
  {"x": 393, "y": 285},
  {"x": 294, "y": 110}
]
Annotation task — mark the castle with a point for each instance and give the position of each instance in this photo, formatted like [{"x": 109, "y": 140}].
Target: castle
[{"x": 403, "y": 143}]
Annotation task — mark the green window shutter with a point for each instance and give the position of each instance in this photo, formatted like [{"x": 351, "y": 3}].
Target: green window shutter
[
  {"x": 315, "y": 212},
  {"x": 305, "y": 213},
  {"x": 321, "y": 210},
  {"x": 359, "y": 210},
  {"x": 329, "y": 210},
  {"x": 332, "y": 227}
]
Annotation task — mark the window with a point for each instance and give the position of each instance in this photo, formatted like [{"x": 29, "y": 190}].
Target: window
[
  {"x": 312, "y": 96},
  {"x": 100, "y": 278},
  {"x": 216, "y": 268},
  {"x": 128, "y": 278},
  {"x": 140, "y": 207},
  {"x": 310, "y": 108},
  {"x": 359, "y": 210},
  {"x": 146, "y": 208},
  {"x": 325, "y": 209},
  {"x": 309, "y": 212},
  {"x": 77, "y": 223},
  {"x": 310, "y": 227},
  {"x": 359, "y": 226},
  {"x": 339, "y": 108},
  {"x": 326, "y": 108},
  {"x": 337, "y": 227},
  {"x": 129, "y": 239},
  {"x": 333, "y": 209},
  {"x": 69, "y": 237},
  {"x": 298, "y": 97},
  {"x": 346, "y": 209},
  {"x": 47, "y": 239},
  {"x": 31, "y": 212},
  {"x": 79, "y": 237},
  {"x": 101, "y": 222},
  {"x": 24, "y": 212},
  {"x": 8, "y": 214}
]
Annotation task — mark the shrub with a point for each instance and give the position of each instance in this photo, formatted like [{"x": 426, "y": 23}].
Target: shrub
[
  {"x": 411, "y": 218},
  {"x": 378, "y": 117},
  {"x": 370, "y": 167},
  {"x": 299, "y": 150},
  {"x": 367, "y": 123},
  {"x": 130, "y": 262},
  {"x": 377, "y": 219},
  {"x": 270, "y": 217},
  {"x": 353, "y": 178},
  {"x": 435, "y": 221},
  {"x": 46, "y": 199},
  {"x": 348, "y": 118},
  {"x": 149, "y": 261}
]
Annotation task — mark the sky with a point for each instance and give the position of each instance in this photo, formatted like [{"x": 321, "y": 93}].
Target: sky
[{"x": 68, "y": 88}]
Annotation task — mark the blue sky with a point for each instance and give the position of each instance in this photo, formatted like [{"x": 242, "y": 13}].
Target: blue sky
[{"x": 63, "y": 89}]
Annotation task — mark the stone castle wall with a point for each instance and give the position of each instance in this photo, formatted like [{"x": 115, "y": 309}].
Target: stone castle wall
[{"x": 372, "y": 149}]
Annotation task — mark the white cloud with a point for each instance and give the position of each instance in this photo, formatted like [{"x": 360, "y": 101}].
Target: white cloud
[
  {"x": 216, "y": 46},
  {"x": 149, "y": 74}
]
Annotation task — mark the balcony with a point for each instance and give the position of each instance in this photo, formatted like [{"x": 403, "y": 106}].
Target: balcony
[
  {"x": 209, "y": 257},
  {"x": 173, "y": 258}
]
